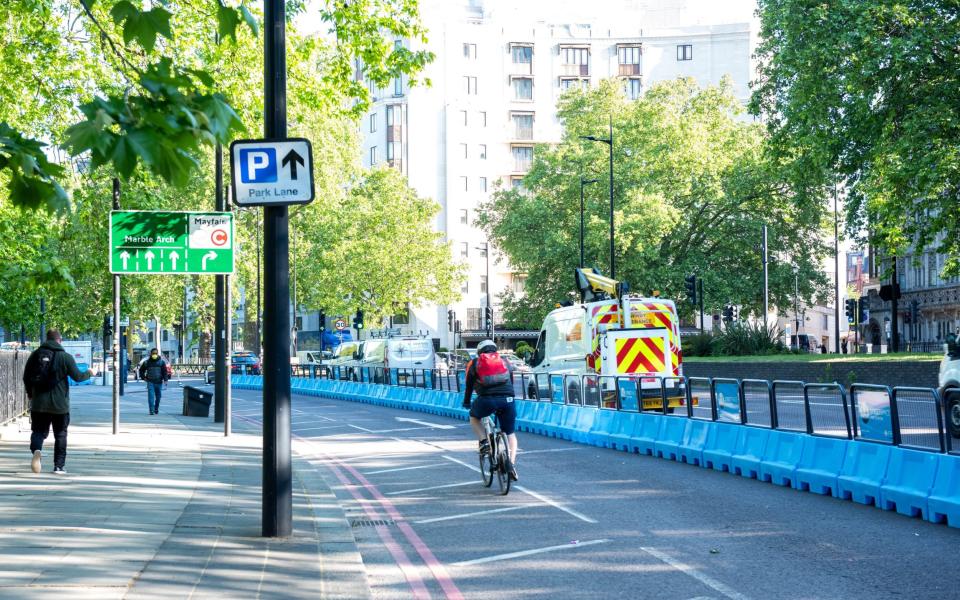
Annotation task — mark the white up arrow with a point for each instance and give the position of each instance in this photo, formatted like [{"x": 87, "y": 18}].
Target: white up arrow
[
  {"x": 149, "y": 256},
  {"x": 206, "y": 257},
  {"x": 174, "y": 256},
  {"x": 124, "y": 256}
]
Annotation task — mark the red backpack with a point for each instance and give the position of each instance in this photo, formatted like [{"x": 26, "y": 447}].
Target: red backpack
[{"x": 491, "y": 370}]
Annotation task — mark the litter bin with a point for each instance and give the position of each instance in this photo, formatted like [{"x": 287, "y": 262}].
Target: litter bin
[{"x": 196, "y": 402}]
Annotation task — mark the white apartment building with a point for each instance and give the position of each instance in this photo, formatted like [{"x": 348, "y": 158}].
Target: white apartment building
[{"x": 498, "y": 74}]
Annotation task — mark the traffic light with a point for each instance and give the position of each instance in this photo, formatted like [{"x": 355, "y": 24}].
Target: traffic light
[
  {"x": 107, "y": 327},
  {"x": 728, "y": 313},
  {"x": 488, "y": 317},
  {"x": 323, "y": 320},
  {"x": 690, "y": 282},
  {"x": 863, "y": 313},
  {"x": 451, "y": 317},
  {"x": 457, "y": 326},
  {"x": 358, "y": 320},
  {"x": 736, "y": 312},
  {"x": 851, "y": 310}
]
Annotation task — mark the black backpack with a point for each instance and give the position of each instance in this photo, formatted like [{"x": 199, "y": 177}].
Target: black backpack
[{"x": 43, "y": 376}]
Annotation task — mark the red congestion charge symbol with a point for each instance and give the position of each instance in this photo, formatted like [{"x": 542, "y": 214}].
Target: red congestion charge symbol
[{"x": 218, "y": 237}]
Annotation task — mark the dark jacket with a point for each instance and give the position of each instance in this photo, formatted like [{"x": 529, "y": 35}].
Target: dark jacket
[
  {"x": 57, "y": 400},
  {"x": 501, "y": 390},
  {"x": 154, "y": 371}
]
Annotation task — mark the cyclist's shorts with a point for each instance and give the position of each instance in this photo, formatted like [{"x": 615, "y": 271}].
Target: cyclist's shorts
[{"x": 484, "y": 406}]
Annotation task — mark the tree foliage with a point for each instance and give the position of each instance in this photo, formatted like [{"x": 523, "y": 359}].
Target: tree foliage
[
  {"x": 867, "y": 92},
  {"x": 692, "y": 186}
]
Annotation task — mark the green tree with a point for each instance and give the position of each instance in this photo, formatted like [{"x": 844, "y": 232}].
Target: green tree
[
  {"x": 693, "y": 185},
  {"x": 865, "y": 93}
]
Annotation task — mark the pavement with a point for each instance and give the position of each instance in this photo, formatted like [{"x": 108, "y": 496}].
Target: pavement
[{"x": 168, "y": 508}]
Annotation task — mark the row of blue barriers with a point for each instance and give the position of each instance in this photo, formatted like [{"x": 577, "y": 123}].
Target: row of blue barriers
[{"x": 912, "y": 482}]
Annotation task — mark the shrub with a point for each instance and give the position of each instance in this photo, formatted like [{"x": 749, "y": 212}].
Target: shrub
[
  {"x": 749, "y": 339},
  {"x": 701, "y": 344}
]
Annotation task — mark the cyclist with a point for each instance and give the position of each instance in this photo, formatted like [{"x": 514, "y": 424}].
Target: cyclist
[{"x": 491, "y": 376}]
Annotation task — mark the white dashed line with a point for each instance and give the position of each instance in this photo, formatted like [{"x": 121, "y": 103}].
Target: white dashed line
[{"x": 487, "y": 559}]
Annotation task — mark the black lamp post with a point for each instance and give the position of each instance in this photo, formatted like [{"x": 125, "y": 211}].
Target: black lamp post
[
  {"x": 609, "y": 142},
  {"x": 583, "y": 182}
]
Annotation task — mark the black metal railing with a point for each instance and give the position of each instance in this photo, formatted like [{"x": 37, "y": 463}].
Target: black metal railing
[{"x": 13, "y": 396}]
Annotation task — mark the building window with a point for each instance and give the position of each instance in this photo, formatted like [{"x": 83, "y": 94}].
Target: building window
[
  {"x": 373, "y": 123},
  {"x": 516, "y": 183},
  {"x": 463, "y": 147},
  {"x": 463, "y": 183},
  {"x": 567, "y": 83},
  {"x": 483, "y": 118},
  {"x": 464, "y": 216},
  {"x": 633, "y": 88},
  {"x": 373, "y": 155},
  {"x": 522, "y": 125},
  {"x": 373, "y": 90},
  {"x": 471, "y": 83},
  {"x": 522, "y": 55},
  {"x": 392, "y": 114},
  {"x": 519, "y": 284},
  {"x": 826, "y": 322},
  {"x": 522, "y": 158},
  {"x": 576, "y": 61},
  {"x": 465, "y": 288},
  {"x": 470, "y": 51},
  {"x": 482, "y": 151},
  {"x": 165, "y": 335},
  {"x": 483, "y": 184},
  {"x": 463, "y": 113},
  {"x": 393, "y": 150},
  {"x": 464, "y": 249},
  {"x": 398, "y": 86},
  {"x": 628, "y": 59},
  {"x": 483, "y": 284},
  {"x": 523, "y": 88},
  {"x": 685, "y": 52}
]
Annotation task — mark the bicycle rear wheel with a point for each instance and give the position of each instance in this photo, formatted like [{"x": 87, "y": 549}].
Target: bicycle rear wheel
[
  {"x": 487, "y": 462},
  {"x": 503, "y": 464}
]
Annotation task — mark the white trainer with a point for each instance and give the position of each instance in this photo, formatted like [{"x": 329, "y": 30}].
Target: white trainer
[
  {"x": 35, "y": 463},
  {"x": 59, "y": 472}
]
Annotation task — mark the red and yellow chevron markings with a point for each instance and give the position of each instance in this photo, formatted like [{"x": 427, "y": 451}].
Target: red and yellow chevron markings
[{"x": 640, "y": 355}]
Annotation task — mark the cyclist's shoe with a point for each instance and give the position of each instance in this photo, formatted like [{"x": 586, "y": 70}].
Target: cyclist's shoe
[
  {"x": 484, "y": 447},
  {"x": 513, "y": 473}
]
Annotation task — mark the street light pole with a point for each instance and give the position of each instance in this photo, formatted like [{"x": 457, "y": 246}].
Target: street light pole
[
  {"x": 583, "y": 182},
  {"x": 609, "y": 142},
  {"x": 836, "y": 274},
  {"x": 766, "y": 280},
  {"x": 796, "y": 305}
]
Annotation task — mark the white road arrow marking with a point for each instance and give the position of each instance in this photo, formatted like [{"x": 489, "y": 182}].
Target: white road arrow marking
[
  {"x": 206, "y": 257},
  {"x": 426, "y": 424},
  {"x": 125, "y": 256},
  {"x": 174, "y": 256},
  {"x": 149, "y": 255}
]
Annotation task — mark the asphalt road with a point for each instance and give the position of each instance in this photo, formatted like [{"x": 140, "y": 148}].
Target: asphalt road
[{"x": 592, "y": 523}]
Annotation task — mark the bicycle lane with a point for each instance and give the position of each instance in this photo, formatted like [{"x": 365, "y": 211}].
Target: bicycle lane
[{"x": 424, "y": 476}]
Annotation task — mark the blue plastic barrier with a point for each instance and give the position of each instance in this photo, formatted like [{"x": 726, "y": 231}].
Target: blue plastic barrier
[
  {"x": 748, "y": 454},
  {"x": 944, "y": 500},
  {"x": 780, "y": 458},
  {"x": 910, "y": 476},
  {"x": 602, "y": 427},
  {"x": 621, "y": 432},
  {"x": 669, "y": 438},
  {"x": 570, "y": 417},
  {"x": 695, "y": 435},
  {"x": 819, "y": 464},
  {"x": 864, "y": 468},
  {"x": 719, "y": 447},
  {"x": 645, "y": 433}
]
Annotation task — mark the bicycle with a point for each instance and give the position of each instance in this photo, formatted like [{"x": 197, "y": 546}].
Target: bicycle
[{"x": 497, "y": 459}]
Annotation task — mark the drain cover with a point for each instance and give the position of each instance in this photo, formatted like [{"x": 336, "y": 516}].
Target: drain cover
[{"x": 370, "y": 522}]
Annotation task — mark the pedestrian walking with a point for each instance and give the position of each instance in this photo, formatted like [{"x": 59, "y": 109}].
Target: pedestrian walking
[
  {"x": 154, "y": 372},
  {"x": 45, "y": 379}
]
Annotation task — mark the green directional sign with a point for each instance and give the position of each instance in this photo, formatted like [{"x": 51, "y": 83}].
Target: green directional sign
[{"x": 171, "y": 243}]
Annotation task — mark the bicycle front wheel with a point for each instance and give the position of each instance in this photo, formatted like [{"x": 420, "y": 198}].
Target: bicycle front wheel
[
  {"x": 503, "y": 464},
  {"x": 487, "y": 467}
]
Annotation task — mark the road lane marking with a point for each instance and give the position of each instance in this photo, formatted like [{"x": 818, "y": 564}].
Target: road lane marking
[
  {"x": 425, "y": 423},
  {"x": 706, "y": 580},
  {"x": 302, "y": 429},
  {"x": 365, "y": 430},
  {"x": 405, "y": 468},
  {"x": 473, "y": 514},
  {"x": 433, "y": 487},
  {"x": 549, "y": 450},
  {"x": 536, "y": 495},
  {"x": 487, "y": 559}
]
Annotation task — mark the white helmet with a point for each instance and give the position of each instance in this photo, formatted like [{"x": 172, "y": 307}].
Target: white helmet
[{"x": 486, "y": 345}]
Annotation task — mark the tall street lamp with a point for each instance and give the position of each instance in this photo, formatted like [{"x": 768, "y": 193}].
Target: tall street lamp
[
  {"x": 609, "y": 142},
  {"x": 583, "y": 182}
]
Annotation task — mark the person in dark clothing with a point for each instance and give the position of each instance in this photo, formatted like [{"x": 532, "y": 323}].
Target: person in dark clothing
[
  {"x": 51, "y": 407},
  {"x": 494, "y": 398},
  {"x": 154, "y": 372}
]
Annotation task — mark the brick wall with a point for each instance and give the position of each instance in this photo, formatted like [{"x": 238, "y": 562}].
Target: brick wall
[{"x": 893, "y": 373}]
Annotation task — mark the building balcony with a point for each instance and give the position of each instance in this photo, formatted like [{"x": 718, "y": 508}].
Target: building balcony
[
  {"x": 628, "y": 70},
  {"x": 575, "y": 70}
]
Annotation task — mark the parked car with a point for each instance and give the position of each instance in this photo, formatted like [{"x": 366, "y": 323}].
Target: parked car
[
  {"x": 242, "y": 362},
  {"x": 950, "y": 385}
]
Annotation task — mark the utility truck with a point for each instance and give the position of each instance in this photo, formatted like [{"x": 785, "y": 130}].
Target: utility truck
[{"x": 615, "y": 339}]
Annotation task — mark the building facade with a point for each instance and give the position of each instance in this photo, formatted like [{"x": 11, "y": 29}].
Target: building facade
[{"x": 498, "y": 74}]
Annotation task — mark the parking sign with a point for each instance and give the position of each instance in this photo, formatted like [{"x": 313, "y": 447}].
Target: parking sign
[{"x": 271, "y": 173}]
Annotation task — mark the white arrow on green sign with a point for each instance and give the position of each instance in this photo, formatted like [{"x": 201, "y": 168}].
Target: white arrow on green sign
[{"x": 171, "y": 243}]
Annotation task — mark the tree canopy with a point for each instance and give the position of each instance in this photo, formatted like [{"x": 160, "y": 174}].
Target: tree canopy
[
  {"x": 692, "y": 187},
  {"x": 866, "y": 93}
]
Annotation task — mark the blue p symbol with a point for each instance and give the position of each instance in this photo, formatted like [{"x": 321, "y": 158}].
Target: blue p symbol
[{"x": 258, "y": 165}]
